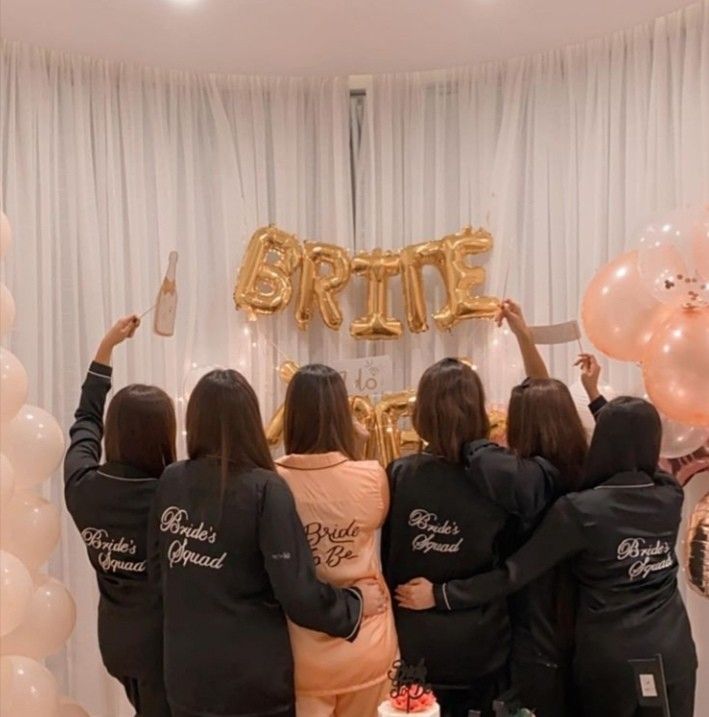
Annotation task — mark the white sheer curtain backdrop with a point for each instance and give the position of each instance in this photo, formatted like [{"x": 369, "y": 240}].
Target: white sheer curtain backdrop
[{"x": 105, "y": 169}]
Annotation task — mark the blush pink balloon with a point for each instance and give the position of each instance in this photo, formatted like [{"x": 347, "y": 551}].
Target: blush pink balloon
[
  {"x": 13, "y": 386},
  {"x": 7, "y": 481},
  {"x": 69, "y": 708},
  {"x": 701, "y": 256},
  {"x": 34, "y": 443},
  {"x": 49, "y": 621},
  {"x": 676, "y": 367},
  {"x": 15, "y": 592},
  {"x": 5, "y": 234},
  {"x": 618, "y": 313},
  {"x": 7, "y": 310},
  {"x": 27, "y": 689},
  {"x": 30, "y": 528}
]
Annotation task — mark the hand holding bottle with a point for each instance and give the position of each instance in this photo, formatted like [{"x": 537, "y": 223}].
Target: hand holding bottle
[{"x": 123, "y": 329}]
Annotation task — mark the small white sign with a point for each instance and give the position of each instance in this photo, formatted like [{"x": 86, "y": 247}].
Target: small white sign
[
  {"x": 648, "y": 688},
  {"x": 365, "y": 376}
]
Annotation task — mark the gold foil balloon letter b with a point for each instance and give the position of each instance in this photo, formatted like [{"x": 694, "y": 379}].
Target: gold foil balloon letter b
[{"x": 264, "y": 283}]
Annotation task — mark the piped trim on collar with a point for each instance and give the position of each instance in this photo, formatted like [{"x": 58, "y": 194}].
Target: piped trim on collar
[
  {"x": 312, "y": 461},
  {"x": 123, "y": 472},
  {"x": 628, "y": 479}
]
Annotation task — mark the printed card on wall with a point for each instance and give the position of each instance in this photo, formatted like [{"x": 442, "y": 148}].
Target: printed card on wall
[{"x": 371, "y": 376}]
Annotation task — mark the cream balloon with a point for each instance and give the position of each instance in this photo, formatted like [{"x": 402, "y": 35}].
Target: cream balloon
[
  {"x": 69, "y": 708},
  {"x": 7, "y": 310},
  {"x": 676, "y": 367},
  {"x": 5, "y": 234},
  {"x": 7, "y": 481},
  {"x": 49, "y": 621},
  {"x": 27, "y": 689},
  {"x": 33, "y": 442},
  {"x": 679, "y": 440},
  {"x": 15, "y": 592},
  {"x": 618, "y": 312},
  {"x": 30, "y": 528},
  {"x": 13, "y": 386}
]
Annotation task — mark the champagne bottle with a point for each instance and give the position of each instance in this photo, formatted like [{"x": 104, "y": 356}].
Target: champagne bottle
[{"x": 166, "y": 303}]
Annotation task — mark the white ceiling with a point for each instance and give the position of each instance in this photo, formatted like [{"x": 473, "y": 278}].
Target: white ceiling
[{"x": 297, "y": 37}]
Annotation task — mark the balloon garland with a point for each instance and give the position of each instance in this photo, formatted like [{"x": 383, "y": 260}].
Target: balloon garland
[
  {"x": 651, "y": 306},
  {"x": 38, "y": 613}
]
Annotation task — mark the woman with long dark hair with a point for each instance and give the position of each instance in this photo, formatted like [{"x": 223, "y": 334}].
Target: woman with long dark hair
[
  {"x": 110, "y": 504},
  {"x": 232, "y": 560},
  {"x": 546, "y": 449},
  {"x": 619, "y": 533},
  {"x": 442, "y": 527},
  {"x": 342, "y": 503}
]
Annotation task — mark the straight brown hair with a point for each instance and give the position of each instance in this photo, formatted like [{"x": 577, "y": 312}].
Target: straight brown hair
[
  {"x": 450, "y": 408},
  {"x": 317, "y": 416},
  {"x": 542, "y": 420},
  {"x": 140, "y": 429},
  {"x": 224, "y": 421},
  {"x": 627, "y": 438}
]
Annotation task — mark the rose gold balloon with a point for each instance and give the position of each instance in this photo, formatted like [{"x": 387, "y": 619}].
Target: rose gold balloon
[
  {"x": 618, "y": 313},
  {"x": 27, "y": 689},
  {"x": 34, "y": 443},
  {"x": 30, "y": 528},
  {"x": 49, "y": 621},
  {"x": 69, "y": 708},
  {"x": 13, "y": 386},
  {"x": 676, "y": 367},
  {"x": 697, "y": 548},
  {"x": 15, "y": 591}
]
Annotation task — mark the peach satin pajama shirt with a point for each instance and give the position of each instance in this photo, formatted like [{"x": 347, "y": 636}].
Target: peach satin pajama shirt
[{"x": 342, "y": 504}]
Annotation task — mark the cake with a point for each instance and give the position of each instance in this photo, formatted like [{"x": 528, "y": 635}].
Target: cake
[{"x": 410, "y": 700}]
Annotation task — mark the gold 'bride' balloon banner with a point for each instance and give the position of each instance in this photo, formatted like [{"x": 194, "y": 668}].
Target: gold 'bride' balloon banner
[
  {"x": 388, "y": 440},
  {"x": 265, "y": 283}
]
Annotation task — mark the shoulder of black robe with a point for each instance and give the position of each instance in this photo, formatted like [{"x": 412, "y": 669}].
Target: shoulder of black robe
[{"x": 524, "y": 487}]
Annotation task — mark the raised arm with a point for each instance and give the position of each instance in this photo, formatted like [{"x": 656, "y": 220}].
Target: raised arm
[
  {"x": 289, "y": 563},
  {"x": 590, "y": 375},
  {"x": 511, "y": 312},
  {"x": 522, "y": 486},
  {"x": 558, "y": 537},
  {"x": 84, "y": 453}
]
